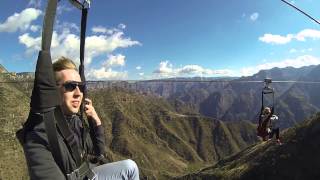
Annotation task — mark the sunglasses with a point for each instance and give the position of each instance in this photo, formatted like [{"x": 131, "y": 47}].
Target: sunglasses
[{"x": 72, "y": 85}]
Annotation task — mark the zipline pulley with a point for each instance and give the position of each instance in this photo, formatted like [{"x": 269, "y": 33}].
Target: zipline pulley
[{"x": 81, "y": 4}]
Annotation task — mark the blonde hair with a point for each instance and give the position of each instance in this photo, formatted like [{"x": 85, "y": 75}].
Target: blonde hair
[
  {"x": 61, "y": 64},
  {"x": 64, "y": 63}
]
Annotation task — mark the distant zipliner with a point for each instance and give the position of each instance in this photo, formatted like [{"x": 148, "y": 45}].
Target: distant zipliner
[
  {"x": 268, "y": 121},
  {"x": 265, "y": 112}
]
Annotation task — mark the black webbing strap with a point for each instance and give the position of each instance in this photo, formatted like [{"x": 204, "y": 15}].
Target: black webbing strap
[
  {"x": 52, "y": 134},
  {"x": 84, "y": 14},
  {"x": 262, "y": 107},
  {"x": 68, "y": 136}
]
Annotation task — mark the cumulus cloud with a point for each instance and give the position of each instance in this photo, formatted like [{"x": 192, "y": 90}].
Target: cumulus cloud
[
  {"x": 99, "y": 29},
  {"x": 117, "y": 60},
  {"x": 35, "y": 28},
  {"x": 166, "y": 69},
  {"x": 20, "y": 21},
  {"x": 300, "y": 36},
  {"x": 254, "y": 16},
  {"x": 66, "y": 43},
  {"x": 32, "y": 44},
  {"x": 104, "y": 30},
  {"x": 122, "y": 26},
  {"x": 106, "y": 73},
  {"x": 297, "y": 62},
  {"x": 138, "y": 68},
  {"x": 308, "y": 33},
  {"x": 141, "y": 74},
  {"x": 276, "y": 39}
]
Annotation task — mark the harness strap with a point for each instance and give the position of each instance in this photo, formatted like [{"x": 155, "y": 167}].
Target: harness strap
[
  {"x": 68, "y": 136},
  {"x": 52, "y": 134},
  {"x": 84, "y": 14}
]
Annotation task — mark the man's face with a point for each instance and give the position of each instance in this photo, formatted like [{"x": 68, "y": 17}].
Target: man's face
[
  {"x": 267, "y": 111},
  {"x": 71, "y": 98}
]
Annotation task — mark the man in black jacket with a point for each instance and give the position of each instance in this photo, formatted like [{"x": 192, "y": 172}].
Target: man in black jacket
[{"x": 40, "y": 160}]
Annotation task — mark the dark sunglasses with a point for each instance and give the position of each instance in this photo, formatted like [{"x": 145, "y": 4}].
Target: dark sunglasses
[{"x": 72, "y": 85}]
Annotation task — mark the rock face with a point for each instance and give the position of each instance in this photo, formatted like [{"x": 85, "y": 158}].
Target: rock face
[
  {"x": 2, "y": 69},
  {"x": 296, "y": 158}
]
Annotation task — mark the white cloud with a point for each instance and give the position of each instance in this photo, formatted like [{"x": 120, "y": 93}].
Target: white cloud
[
  {"x": 305, "y": 60},
  {"x": 254, "y": 16},
  {"x": 106, "y": 73},
  {"x": 117, "y": 60},
  {"x": 141, "y": 74},
  {"x": 122, "y": 26},
  {"x": 166, "y": 70},
  {"x": 276, "y": 39},
  {"x": 104, "y": 30},
  {"x": 20, "y": 21},
  {"x": 300, "y": 36},
  {"x": 66, "y": 43},
  {"x": 138, "y": 68},
  {"x": 35, "y": 28},
  {"x": 99, "y": 29},
  {"x": 308, "y": 33},
  {"x": 32, "y": 44}
]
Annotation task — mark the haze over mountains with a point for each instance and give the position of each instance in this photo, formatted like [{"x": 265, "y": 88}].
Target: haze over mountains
[
  {"x": 185, "y": 127},
  {"x": 240, "y": 100}
]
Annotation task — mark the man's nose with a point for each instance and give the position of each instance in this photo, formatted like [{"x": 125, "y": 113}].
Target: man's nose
[{"x": 77, "y": 91}]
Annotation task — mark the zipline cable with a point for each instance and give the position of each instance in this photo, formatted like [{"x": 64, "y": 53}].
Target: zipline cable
[
  {"x": 180, "y": 81},
  {"x": 304, "y": 13}
]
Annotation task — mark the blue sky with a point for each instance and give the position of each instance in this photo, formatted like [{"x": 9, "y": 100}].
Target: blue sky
[{"x": 145, "y": 39}]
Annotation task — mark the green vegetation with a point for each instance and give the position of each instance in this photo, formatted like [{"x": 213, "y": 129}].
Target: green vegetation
[
  {"x": 13, "y": 111},
  {"x": 297, "y": 158},
  {"x": 147, "y": 129},
  {"x": 163, "y": 142}
]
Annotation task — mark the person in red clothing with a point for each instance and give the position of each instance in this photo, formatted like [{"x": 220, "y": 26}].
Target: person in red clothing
[{"x": 264, "y": 121}]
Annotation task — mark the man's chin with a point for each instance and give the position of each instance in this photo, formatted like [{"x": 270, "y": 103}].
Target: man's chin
[{"x": 75, "y": 110}]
